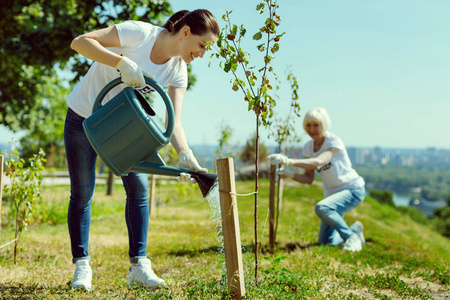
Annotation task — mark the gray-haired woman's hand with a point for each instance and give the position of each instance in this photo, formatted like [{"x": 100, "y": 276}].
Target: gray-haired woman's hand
[{"x": 279, "y": 159}]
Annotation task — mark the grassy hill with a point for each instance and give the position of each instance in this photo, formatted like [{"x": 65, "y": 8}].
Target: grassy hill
[{"x": 402, "y": 259}]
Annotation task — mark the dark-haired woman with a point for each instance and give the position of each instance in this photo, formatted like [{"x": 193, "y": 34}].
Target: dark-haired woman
[{"x": 129, "y": 50}]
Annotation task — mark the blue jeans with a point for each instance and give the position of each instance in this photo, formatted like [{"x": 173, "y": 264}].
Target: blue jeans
[
  {"x": 331, "y": 210},
  {"x": 81, "y": 160}
]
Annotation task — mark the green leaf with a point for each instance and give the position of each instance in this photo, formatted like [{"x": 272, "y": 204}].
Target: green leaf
[
  {"x": 242, "y": 31},
  {"x": 261, "y": 47},
  {"x": 260, "y": 8},
  {"x": 234, "y": 30},
  {"x": 279, "y": 260},
  {"x": 275, "y": 47},
  {"x": 263, "y": 90},
  {"x": 257, "y": 36},
  {"x": 235, "y": 86},
  {"x": 227, "y": 66},
  {"x": 250, "y": 104},
  {"x": 234, "y": 65},
  {"x": 268, "y": 59}
]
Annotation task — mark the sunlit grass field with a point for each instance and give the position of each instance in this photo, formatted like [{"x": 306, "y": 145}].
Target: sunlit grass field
[{"x": 402, "y": 259}]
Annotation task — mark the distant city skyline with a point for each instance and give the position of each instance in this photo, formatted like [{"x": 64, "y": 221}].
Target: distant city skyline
[{"x": 380, "y": 68}]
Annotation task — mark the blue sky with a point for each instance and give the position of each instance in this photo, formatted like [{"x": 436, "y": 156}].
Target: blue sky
[{"x": 380, "y": 67}]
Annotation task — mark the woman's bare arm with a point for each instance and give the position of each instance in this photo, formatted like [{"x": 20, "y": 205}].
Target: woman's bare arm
[{"x": 92, "y": 45}]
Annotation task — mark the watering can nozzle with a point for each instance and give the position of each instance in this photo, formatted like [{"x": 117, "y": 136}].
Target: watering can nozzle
[
  {"x": 155, "y": 165},
  {"x": 205, "y": 181}
]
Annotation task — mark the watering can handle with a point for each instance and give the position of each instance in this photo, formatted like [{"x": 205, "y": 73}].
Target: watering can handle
[{"x": 153, "y": 84}]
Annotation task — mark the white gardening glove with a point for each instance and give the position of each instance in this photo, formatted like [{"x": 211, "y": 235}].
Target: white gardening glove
[
  {"x": 186, "y": 178},
  {"x": 279, "y": 159},
  {"x": 285, "y": 174},
  {"x": 131, "y": 73},
  {"x": 188, "y": 161}
]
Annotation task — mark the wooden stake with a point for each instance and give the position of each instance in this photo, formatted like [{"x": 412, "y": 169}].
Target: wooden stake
[
  {"x": 1, "y": 189},
  {"x": 152, "y": 194},
  {"x": 110, "y": 183},
  {"x": 272, "y": 174},
  {"x": 280, "y": 194},
  {"x": 279, "y": 204},
  {"x": 230, "y": 227}
]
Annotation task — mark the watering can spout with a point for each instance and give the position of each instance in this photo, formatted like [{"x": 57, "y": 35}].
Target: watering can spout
[
  {"x": 205, "y": 181},
  {"x": 155, "y": 165}
]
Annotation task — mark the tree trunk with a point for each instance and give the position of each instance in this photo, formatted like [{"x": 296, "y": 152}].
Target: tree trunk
[
  {"x": 16, "y": 243},
  {"x": 110, "y": 184},
  {"x": 256, "y": 198},
  {"x": 272, "y": 176},
  {"x": 1, "y": 189},
  {"x": 279, "y": 197}
]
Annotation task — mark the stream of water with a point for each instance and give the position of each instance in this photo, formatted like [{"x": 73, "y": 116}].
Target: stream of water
[{"x": 215, "y": 213}]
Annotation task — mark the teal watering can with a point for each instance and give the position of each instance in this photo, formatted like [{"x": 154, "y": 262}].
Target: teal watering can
[{"x": 127, "y": 135}]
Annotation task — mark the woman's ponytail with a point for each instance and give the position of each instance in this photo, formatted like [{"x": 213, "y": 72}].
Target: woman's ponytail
[
  {"x": 174, "y": 19},
  {"x": 200, "y": 21}
]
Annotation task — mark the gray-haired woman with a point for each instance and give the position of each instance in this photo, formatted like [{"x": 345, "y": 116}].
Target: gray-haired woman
[{"x": 343, "y": 187}]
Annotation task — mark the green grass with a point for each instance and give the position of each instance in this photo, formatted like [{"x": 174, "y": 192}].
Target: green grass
[{"x": 402, "y": 259}]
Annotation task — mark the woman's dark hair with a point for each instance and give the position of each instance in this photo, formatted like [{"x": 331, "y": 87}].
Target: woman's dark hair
[{"x": 200, "y": 21}]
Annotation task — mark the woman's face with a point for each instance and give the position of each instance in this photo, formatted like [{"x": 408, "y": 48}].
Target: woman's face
[
  {"x": 314, "y": 129},
  {"x": 193, "y": 46}
]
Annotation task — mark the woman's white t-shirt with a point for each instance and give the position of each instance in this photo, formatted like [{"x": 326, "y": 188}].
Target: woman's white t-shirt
[
  {"x": 136, "y": 40},
  {"x": 338, "y": 174}
]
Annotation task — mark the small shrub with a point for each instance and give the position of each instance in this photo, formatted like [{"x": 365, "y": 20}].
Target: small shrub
[
  {"x": 441, "y": 221},
  {"x": 24, "y": 189},
  {"x": 382, "y": 196}
]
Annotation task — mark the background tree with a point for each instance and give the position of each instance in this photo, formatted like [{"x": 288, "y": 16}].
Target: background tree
[
  {"x": 283, "y": 129},
  {"x": 224, "y": 149},
  {"x": 285, "y": 132},
  {"x": 384, "y": 197},
  {"x": 46, "y": 124},
  {"x": 441, "y": 220},
  {"x": 248, "y": 153},
  {"x": 35, "y": 45},
  {"x": 433, "y": 181}
]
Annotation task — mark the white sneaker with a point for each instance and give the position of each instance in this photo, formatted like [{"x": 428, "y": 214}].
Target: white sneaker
[
  {"x": 358, "y": 228},
  {"x": 143, "y": 274},
  {"x": 83, "y": 275},
  {"x": 353, "y": 243}
]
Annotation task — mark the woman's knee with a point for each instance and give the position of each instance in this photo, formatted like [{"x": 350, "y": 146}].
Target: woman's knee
[
  {"x": 138, "y": 193},
  {"x": 80, "y": 201},
  {"x": 321, "y": 210},
  {"x": 81, "y": 195},
  {"x": 136, "y": 186}
]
